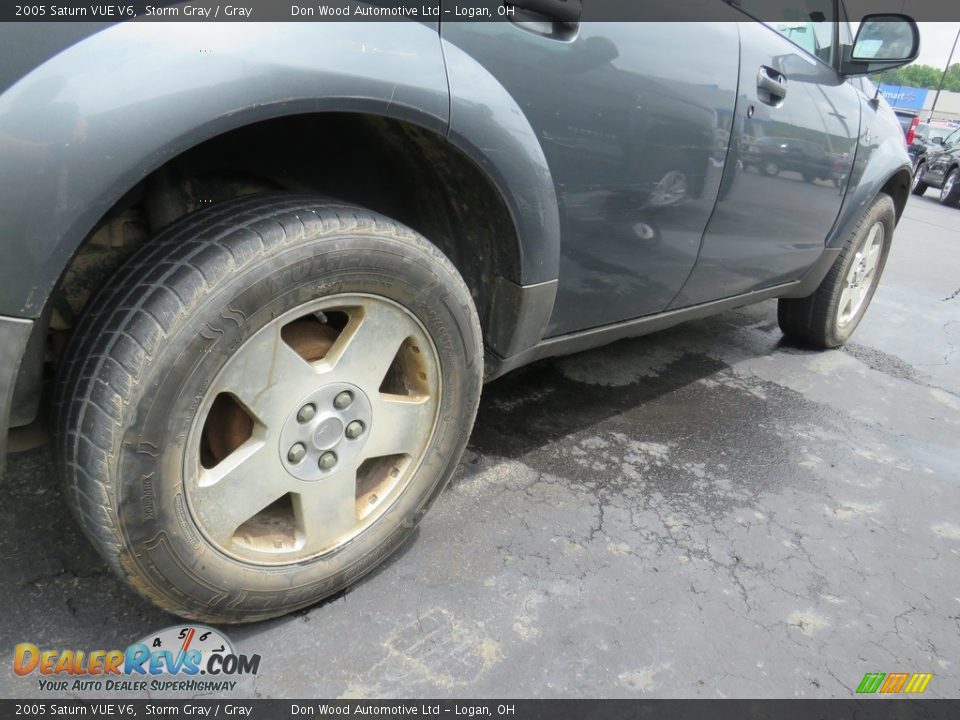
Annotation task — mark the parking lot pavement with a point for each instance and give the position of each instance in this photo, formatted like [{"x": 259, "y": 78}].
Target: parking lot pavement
[{"x": 707, "y": 512}]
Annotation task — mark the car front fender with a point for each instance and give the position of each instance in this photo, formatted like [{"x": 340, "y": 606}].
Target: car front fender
[{"x": 881, "y": 155}]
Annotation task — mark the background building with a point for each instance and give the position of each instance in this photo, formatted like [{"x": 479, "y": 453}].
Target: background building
[{"x": 921, "y": 100}]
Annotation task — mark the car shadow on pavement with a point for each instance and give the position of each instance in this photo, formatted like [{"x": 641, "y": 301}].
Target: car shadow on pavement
[{"x": 555, "y": 405}]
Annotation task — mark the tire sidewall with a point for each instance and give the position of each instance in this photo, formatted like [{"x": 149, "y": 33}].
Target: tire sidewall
[{"x": 160, "y": 535}]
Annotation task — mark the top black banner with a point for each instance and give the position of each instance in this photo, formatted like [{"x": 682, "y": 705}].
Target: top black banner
[{"x": 569, "y": 11}]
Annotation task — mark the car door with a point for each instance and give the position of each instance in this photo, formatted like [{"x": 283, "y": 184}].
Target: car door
[
  {"x": 796, "y": 131},
  {"x": 634, "y": 120},
  {"x": 940, "y": 158}
]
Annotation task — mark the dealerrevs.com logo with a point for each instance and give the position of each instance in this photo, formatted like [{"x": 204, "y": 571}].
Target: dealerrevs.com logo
[{"x": 190, "y": 658}]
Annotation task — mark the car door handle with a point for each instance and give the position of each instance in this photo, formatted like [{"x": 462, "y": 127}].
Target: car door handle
[
  {"x": 567, "y": 11},
  {"x": 771, "y": 86}
]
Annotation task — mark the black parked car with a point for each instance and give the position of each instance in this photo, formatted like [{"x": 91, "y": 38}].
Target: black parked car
[
  {"x": 257, "y": 289},
  {"x": 939, "y": 167},
  {"x": 927, "y": 136}
]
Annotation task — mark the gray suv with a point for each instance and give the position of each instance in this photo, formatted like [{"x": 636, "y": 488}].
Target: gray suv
[{"x": 254, "y": 277}]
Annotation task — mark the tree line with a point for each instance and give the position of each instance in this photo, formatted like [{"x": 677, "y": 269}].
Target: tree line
[{"x": 921, "y": 76}]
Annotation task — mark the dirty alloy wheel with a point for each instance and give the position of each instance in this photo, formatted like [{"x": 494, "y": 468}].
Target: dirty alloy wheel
[
  {"x": 950, "y": 192},
  {"x": 264, "y": 402},
  {"x": 828, "y": 317},
  {"x": 862, "y": 276}
]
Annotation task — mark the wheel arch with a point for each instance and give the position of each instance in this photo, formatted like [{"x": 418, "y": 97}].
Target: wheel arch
[
  {"x": 898, "y": 188},
  {"x": 448, "y": 198},
  {"x": 884, "y": 168}
]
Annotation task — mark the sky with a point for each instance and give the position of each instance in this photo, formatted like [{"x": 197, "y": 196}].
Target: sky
[{"x": 935, "y": 41}]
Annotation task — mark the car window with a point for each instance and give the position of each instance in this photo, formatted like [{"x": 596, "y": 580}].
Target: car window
[
  {"x": 937, "y": 132},
  {"x": 808, "y": 24},
  {"x": 906, "y": 121},
  {"x": 952, "y": 138}
]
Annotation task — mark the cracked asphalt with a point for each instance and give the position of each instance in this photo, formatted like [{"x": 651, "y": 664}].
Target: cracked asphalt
[{"x": 705, "y": 512}]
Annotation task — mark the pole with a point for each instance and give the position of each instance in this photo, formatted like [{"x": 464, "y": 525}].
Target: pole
[{"x": 943, "y": 77}]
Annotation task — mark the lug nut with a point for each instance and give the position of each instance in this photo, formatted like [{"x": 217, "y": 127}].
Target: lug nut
[
  {"x": 328, "y": 460},
  {"x": 307, "y": 413},
  {"x": 297, "y": 453},
  {"x": 355, "y": 429},
  {"x": 343, "y": 400}
]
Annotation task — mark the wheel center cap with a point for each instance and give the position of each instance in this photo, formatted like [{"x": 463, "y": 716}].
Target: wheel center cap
[
  {"x": 325, "y": 431},
  {"x": 328, "y": 433},
  {"x": 860, "y": 272}
]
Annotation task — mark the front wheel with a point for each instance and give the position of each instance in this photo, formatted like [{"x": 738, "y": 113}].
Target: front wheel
[
  {"x": 828, "y": 317},
  {"x": 950, "y": 192},
  {"x": 264, "y": 402}
]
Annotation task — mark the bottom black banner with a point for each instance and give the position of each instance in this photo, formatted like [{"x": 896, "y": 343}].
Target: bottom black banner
[{"x": 511, "y": 709}]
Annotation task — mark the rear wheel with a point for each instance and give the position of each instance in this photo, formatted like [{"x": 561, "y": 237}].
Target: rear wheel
[
  {"x": 919, "y": 186},
  {"x": 830, "y": 315},
  {"x": 950, "y": 192},
  {"x": 264, "y": 403}
]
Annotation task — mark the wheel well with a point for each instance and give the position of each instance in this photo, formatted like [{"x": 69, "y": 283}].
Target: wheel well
[
  {"x": 898, "y": 188},
  {"x": 396, "y": 168}
]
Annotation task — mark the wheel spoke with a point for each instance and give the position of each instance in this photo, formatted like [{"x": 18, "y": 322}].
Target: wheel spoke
[
  {"x": 238, "y": 488},
  {"x": 873, "y": 246},
  {"x": 261, "y": 372},
  {"x": 368, "y": 345},
  {"x": 847, "y": 298},
  {"x": 399, "y": 426},
  {"x": 327, "y": 509}
]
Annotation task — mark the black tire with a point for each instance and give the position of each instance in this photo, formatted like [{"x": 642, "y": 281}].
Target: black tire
[
  {"x": 770, "y": 168},
  {"x": 813, "y": 320},
  {"x": 919, "y": 186},
  {"x": 155, "y": 336},
  {"x": 950, "y": 193}
]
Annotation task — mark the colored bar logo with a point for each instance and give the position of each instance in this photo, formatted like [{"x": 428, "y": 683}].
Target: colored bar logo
[{"x": 894, "y": 683}]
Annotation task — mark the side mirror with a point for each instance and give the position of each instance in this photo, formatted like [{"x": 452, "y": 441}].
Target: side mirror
[
  {"x": 884, "y": 41},
  {"x": 937, "y": 141}
]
